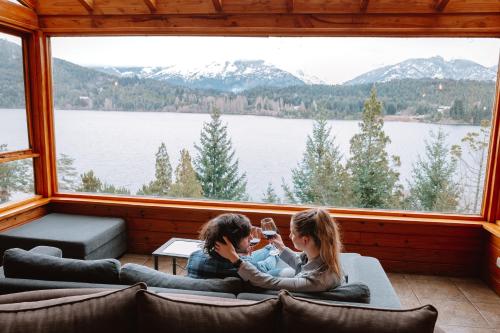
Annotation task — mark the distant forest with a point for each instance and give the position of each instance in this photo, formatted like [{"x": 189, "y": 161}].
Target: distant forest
[{"x": 80, "y": 88}]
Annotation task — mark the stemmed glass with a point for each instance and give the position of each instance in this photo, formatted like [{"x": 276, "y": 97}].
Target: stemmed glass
[
  {"x": 255, "y": 234},
  {"x": 269, "y": 230}
]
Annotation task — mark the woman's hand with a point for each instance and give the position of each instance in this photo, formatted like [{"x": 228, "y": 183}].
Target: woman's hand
[
  {"x": 277, "y": 241},
  {"x": 226, "y": 250}
]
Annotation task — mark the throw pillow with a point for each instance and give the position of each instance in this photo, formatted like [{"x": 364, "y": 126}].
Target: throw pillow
[
  {"x": 301, "y": 315},
  {"x": 109, "y": 311},
  {"x": 133, "y": 273},
  {"x": 23, "y": 264},
  {"x": 159, "y": 314}
]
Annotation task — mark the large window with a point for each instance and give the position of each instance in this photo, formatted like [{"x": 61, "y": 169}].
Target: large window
[
  {"x": 16, "y": 171},
  {"x": 383, "y": 123}
]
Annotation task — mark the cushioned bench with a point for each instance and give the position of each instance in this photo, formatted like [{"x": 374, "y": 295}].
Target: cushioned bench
[{"x": 78, "y": 236}]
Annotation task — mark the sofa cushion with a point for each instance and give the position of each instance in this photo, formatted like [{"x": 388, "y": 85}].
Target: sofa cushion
[
  {"x": 23, "y": 264},
  {"x": 107, "y": 311},
  {"x": 133, "y": 273},
  {"x": 40, "y": 295},
  {"x": 76, "y": 235},
  {"x": 301, "y": 315},
  {"x": 159, "y": 314},
  {"x": 356, "y": 292}
]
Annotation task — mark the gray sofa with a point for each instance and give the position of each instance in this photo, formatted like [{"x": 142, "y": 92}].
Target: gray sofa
[{"x": 358, "y": 268}]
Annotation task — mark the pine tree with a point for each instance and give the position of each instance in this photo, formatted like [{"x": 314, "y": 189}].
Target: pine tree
[
  {"x": 432, "y": 187},
  {"x": 215, "y": 164},
  {"x": 160, "y": 186},
  {"x": 66, "y": 173},
  {"x": 89, "y": 182},
  {"x": 15, "y": 176},
  {"x": 473, "y": 166},
  {"x": 186, "y": 184},
  {"x": 270, "y": 196},
  {"x": 320, "y": 177},
  {"x": 373, "y": 178},
  {"x": 92, "y": 184},
  {"x": 457, "y": 110}
]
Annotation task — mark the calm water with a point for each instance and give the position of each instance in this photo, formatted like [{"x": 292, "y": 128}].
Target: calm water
[{"x": 120, "y": 146}]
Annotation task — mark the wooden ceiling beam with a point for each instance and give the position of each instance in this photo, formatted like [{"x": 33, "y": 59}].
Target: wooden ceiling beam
[
  {"x": 31, "y": 4},
  {"x": 217, "y": 5},
  {"x": 363, "y": 6},
  {"x": 289, "y": 5},
  {"x": 439, "y": 5},
  {"x": 151, "y": 5},
  {"x": 368, "y": 24},
  {"x": 88, "y": 4}
]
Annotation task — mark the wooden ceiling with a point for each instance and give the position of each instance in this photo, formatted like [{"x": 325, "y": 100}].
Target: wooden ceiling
[
  {"x": 267, "y": 17},
  {"x": 135, "y": 7}
]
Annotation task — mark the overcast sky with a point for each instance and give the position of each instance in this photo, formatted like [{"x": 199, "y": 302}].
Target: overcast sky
[{"x": 333, "y": 60}]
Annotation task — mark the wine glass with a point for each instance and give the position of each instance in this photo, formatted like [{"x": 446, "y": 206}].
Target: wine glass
[
  {"x": 269, "y": 230},
  {"x": 255, "y": 234}
]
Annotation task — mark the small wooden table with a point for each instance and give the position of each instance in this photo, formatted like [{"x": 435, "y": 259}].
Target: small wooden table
[{"x": 176, "y": 248}]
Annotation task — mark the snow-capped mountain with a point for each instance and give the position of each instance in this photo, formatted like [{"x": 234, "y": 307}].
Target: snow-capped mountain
[
  {"x": 435, "y": 68},
  {"x": 234, "y": 76}
]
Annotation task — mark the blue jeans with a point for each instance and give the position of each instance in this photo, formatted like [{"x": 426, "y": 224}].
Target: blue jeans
[{"x": 271, "y": 265}]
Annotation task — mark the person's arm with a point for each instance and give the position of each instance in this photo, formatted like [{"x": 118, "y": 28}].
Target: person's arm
[
  {"x": 291, "y": 258},
  {"x": 315, "y": 283}
]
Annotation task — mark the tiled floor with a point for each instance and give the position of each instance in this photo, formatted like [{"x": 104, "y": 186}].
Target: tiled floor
[{"x": 464, "y": 305}]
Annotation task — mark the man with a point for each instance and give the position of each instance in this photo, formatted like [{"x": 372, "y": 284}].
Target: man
[{"x": 207, "y": 263}]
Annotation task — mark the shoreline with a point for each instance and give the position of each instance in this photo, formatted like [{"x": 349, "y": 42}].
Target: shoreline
[{"x": 386, "y": 118}]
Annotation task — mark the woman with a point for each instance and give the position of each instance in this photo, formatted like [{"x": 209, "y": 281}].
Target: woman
[{"x": 317, "y": 269}]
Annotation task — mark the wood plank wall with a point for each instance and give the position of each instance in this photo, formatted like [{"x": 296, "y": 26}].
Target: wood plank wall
[
  {"x": 22, "y": 218},
  {"x": 423, "y": 248},
  {"x": 490, "y": 272}
]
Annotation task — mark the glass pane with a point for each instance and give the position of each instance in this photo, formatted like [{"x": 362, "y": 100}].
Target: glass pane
[
  {"x": 281, "y": 120},
  {"x": 13, "y": 124},
  {"x": 16, "y": 181}
]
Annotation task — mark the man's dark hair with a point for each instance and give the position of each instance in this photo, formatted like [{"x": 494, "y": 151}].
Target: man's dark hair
[{"x": 234, "y": 226}]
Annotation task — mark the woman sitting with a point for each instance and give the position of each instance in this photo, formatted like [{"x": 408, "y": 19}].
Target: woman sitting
[{"x": 316, "y": 269}]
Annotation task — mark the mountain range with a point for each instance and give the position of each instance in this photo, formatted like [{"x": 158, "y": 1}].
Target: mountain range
[
  {"x": 429, "y": 68},
  {"x": 237, "y": 76}
]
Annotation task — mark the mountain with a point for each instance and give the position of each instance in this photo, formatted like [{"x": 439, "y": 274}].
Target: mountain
[
  {"x": 229, "y": 76},
  {"x": 428, "y": 68}
]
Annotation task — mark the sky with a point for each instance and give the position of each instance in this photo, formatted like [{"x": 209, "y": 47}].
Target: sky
[{"x": 331, "y": 59}]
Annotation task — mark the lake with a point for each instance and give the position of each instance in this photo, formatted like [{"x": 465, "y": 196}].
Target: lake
[{"x": 120, "y": 146}]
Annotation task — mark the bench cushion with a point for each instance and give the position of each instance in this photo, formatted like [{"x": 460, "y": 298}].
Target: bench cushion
[{"x": 78, "y": 236}]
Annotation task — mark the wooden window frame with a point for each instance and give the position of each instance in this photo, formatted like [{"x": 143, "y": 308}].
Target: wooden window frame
[
  {"x": 487, "y": 207},
  {"x": 28, "y": 153}
]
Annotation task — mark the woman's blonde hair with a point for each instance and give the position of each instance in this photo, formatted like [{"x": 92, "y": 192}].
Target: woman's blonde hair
[{"x": 317, "y": 224}]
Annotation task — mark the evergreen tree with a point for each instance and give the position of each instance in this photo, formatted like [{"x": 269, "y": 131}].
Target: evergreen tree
[
  {"x": 320, "y": 177},
  {"x": 112, "y": 189},
  {"x": 432, "y": 187},
  {"x": 160, "y": 186},
  {"x": 473, "y": 166},
  {"x": 186, "y": 184},
  {"x": 15, "y": 176},
  {"x": 270, "y": 195},
  {"x": 373, "y": 177},
  {"x": 92, "y": 184},
  {"x": 66, "y": 173},
  {"x": 215, "y": 164},
  {"x": 89, "y": 182},
  {"x": 457, "y": 110}
]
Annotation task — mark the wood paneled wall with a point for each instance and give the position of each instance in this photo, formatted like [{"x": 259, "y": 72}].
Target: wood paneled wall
[
  {"x": 424, "y": 248},
  {"x": 490, "y": 271}
]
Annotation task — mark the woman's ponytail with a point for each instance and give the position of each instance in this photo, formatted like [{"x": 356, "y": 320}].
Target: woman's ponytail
[{"x": 318, "y": 224}]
